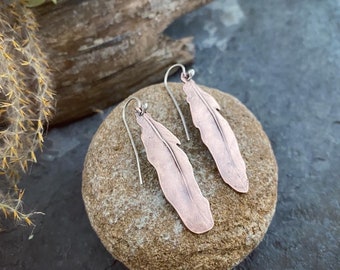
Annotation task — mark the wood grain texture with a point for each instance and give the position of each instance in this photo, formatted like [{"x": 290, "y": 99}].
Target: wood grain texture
[
  {"x": 217, "y": 135},
  {"x": 101, "y": 51},
  {"x": 175, "y": 175}
]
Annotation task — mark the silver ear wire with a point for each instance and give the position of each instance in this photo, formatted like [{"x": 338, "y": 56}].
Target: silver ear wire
[
  {"x": 191, "y": 73},
  {"x": 141, "y": 108},
  {"x": 187, "y": 76}
]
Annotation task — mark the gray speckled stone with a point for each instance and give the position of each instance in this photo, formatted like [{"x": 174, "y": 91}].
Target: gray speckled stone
[
  {"x": 279, "y": 58},
  {"x": 135, "y": 222}
]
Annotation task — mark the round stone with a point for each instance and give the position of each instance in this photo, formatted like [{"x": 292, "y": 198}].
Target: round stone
[{"x": 135, "y": 222}]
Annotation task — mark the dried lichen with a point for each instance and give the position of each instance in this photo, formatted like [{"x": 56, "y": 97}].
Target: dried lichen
[
  {"x": 26, "y": 99},
  {"x": 11, "y": 207}
]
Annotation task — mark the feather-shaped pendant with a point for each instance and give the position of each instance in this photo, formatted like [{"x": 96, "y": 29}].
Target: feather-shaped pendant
[
  {"x": 175, "y": 174},
  {"x": 217, "y": 135}
]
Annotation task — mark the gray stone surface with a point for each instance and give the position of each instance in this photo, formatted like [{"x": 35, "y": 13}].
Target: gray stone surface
[{"x": 281, "y": 59}]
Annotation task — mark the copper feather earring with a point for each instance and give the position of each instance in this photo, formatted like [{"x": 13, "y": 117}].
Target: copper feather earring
[
  {"x": 175, "y": 173},
  {"x": 215, "y": 131}
]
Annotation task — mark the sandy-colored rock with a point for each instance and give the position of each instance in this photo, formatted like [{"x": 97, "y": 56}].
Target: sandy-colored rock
[{"x": 135, "y": 222}]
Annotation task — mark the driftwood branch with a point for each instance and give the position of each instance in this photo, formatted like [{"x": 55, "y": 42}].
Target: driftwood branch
[{"x": 100, "y": 51}]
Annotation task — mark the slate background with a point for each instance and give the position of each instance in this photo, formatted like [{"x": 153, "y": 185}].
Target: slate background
[{"x": 282, "y": 60}]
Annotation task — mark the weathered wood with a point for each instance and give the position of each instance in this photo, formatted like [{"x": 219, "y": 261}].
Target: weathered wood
[{"x": 101, "y": 51}]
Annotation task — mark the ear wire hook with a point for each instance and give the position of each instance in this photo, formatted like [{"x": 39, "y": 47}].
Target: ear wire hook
[
  {"x": 187, "y": 76},
  {"x": 141, "y": 108}
]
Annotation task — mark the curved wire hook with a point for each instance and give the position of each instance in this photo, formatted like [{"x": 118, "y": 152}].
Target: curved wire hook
[
  {"x": 141, "y": 108},
  {"x": 186, "y": 76}
]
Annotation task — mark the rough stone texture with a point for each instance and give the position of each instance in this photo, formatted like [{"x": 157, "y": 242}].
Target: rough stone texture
[
  {"x": 137, "y": 225},
  {"x": 282, "y": 60}
]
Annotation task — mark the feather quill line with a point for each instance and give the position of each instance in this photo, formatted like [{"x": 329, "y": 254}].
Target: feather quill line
[
  {"x": 167, "y": 145},
  {"x": 175, "y": 175},
  {"x": 236, "y": 176},
  {"x": 212, "y": 112}
]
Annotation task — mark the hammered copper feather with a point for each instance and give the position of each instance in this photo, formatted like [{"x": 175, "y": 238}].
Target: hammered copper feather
[
  {"x": 175, "y": 175},
  {"x": 217, "y": 136}
]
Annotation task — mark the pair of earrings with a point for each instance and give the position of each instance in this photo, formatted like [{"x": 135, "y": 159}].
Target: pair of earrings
[{"x": 174, "y": 170}]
